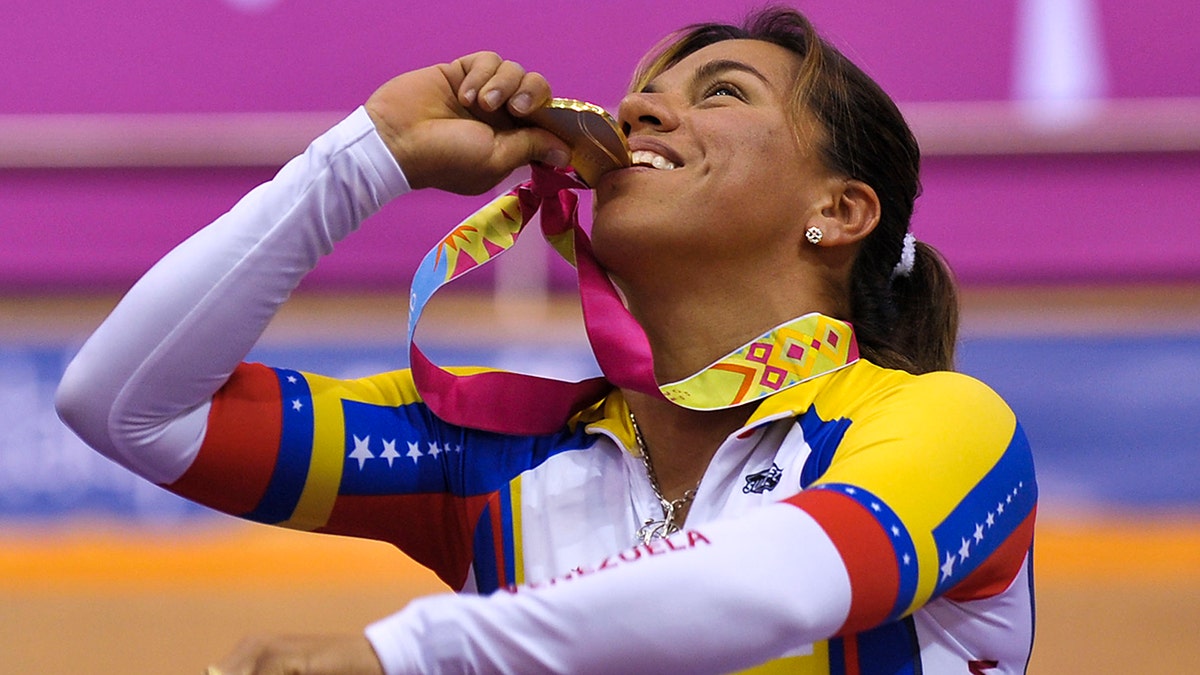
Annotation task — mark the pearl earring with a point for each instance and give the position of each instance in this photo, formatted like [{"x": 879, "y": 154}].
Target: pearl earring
[{"x": 814, "y": 235}]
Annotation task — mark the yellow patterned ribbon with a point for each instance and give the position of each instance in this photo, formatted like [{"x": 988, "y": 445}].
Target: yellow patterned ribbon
[{"x": 795, "y": 351}]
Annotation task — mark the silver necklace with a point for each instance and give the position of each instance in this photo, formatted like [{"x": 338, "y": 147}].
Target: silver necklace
[{"x": 666, "y": 526}]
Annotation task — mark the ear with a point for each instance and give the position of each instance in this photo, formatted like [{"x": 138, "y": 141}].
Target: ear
[{"x": 850, "y": 213}]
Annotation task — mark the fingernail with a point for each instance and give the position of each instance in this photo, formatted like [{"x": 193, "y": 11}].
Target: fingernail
[
  {"x": 558, "y": 158},
  {"x": 521, "y": 103},
  {"x": 470, "y": 95},
  {"x": 492, "y": 98}
]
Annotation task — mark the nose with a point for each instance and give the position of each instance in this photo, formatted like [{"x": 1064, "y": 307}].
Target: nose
[{"x": 642, "y": 110}]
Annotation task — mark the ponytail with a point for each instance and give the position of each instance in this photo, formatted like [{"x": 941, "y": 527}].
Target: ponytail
[{"x": 909, "y": 322}]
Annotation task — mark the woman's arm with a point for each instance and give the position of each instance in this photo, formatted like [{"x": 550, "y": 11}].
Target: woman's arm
[{"x": 139, "y": 389}]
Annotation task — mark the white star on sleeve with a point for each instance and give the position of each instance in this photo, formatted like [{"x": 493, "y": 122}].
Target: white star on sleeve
[
  {"x": 991, "y": 519},
  {"x": 414, "y": 451},
  {"x": 964, "y": 551},
  {"x": 291, "y": 379},
  {"x": 389, "y": 451},
  {"x": 297, "y": 405},
  {"x": 434, "y": 450},
  {"x": 978, "y": 533},
  {"x": 362, "y": 451},
  {"x": 948, "y": 566}
]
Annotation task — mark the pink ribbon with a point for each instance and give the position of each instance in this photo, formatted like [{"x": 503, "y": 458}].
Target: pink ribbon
[
  {"x": 528, "y": 404},
  {"x": 790, "y": 353}
]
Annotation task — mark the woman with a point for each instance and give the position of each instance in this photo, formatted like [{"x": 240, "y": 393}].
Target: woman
[{"x": 868, "y": 515}]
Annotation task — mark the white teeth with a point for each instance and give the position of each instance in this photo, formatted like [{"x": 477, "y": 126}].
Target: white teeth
[{"x": 647, "y": 158}]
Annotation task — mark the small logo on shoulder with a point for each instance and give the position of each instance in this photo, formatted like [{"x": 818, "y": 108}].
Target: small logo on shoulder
[{"x": 763, "y": 481}]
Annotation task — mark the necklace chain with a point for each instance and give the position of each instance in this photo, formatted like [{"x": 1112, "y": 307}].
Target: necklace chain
[{"x": 671, "y": 508}]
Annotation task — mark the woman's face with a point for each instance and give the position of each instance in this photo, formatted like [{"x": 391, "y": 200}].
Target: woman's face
[{"x": 720, "y": 167}]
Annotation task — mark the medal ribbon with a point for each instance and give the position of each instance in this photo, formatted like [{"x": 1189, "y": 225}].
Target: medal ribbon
[{"x": 517, "y": 403}]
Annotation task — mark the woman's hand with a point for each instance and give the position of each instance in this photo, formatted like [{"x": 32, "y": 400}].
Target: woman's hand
[
  {"x": 454, "y": 126},
  {"x": 301, "y": 655}
]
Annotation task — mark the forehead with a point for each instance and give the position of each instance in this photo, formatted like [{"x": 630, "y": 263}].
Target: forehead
[{"x": 777, "y": 65}]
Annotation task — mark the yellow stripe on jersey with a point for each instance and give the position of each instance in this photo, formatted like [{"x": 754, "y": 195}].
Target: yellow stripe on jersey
[
  {"x": 325, "y": 468},
  {"x": 329, "y": 444},
  {"x": 815, "y": 663},
  {"x": 918, "y": 442},
  {"x": 921, "y": 452},
  {"x": 518, "y": 561},
  {"x": 324, "y": 476}
]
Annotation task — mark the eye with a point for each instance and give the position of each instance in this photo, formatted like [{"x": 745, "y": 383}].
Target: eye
[{"x": 724, "y": 89}]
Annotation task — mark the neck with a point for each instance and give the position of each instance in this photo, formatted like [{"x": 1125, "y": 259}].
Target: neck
[
  {"x": 696, "y": 315},
  {"x": 690, "y": 323}
]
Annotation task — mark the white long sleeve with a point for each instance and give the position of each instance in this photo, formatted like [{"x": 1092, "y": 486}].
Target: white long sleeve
[
  {"x": 715, "y": 600},
  {"x": 140, "y": 387}
]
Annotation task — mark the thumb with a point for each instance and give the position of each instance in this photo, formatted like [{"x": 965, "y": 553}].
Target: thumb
[{"x": 517, "y": 147}]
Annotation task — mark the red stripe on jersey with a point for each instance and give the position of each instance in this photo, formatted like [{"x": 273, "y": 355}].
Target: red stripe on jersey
[
  {"x": 866, "y": 551},
  {"x": 1001, "y": 567},
  {"x": 850, "y": 655},
  {"x": 436, "y": 530},
  {"x": 241, "y": 443},
  {"x": 496, "y": 511}
]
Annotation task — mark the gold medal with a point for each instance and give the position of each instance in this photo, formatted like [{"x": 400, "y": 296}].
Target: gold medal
[{"x": 597, "y": 144}]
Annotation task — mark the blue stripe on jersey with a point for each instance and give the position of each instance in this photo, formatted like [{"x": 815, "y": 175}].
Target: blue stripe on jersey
[
  {"x": 824, "y": 438},
  {"x": 492, "y": 574},
  {"x": 295, "y": 451},
  {"x": 389, "y": 450},
  {"x": 508, "y": 543},
  {"x": 989, "y": 513},
  {"x": 837, "y": 656},
  {"x": 484, "y": 563},
  {"x": 890, "y": 649},
  {"x": 902, "y": 543}
]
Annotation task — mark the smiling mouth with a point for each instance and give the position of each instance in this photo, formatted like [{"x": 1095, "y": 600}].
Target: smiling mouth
[{"x": 652, "y": 160}]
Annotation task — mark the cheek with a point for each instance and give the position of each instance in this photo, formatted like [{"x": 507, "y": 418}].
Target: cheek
[{"x": 763, "y": 156}]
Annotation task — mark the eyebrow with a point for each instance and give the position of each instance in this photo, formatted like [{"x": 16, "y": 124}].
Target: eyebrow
[{"x": 712, "y": 69}]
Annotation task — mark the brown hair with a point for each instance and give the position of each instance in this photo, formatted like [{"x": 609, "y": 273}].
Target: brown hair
[{"x": 907, "y": 322}]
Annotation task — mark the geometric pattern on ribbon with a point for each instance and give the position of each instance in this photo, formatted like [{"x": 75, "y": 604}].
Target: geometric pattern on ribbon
[{"x": 795, "y": 351}]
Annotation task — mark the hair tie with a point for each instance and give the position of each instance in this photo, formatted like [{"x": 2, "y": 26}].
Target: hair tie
[{"x": 908, "y": 257}]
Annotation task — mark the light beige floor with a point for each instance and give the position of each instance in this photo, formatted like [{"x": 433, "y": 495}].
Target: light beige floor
[{"x": 1114, "y": 595}]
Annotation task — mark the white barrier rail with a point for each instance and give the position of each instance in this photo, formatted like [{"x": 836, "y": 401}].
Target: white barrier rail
[{"x": 965, "y": 128}]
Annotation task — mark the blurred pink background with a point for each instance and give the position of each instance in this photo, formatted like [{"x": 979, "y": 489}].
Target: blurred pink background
[{"x": 1017, "y": 103}]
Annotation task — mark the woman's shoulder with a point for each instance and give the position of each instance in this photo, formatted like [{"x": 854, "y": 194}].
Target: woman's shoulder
[{"x": 868, "y": 390}]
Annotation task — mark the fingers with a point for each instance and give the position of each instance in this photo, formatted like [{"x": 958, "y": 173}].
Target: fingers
[
  {"x": 492, "y": 83},
  {"x": 518, "y": 147},
  {"x": 311, "y": 655}
]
